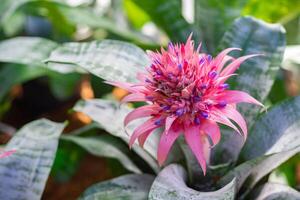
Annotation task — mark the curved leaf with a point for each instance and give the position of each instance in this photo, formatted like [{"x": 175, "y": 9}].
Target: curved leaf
[
  {"x": 253, "y": 170},
  {"x": 133, "y": 187},
  {"x": 110, "y": 115},
  {"x": 273, "y": 191},
  {"x": 26, "y": 50},
  {"x": 256, "y": 76},
  {"x": 277, "y": 130},
  {"x": 170, "y": 184},
  {"x": 24, "y": 173},
  {"x": 106, "y": 147},
  {"x": 107, "y": 59}
]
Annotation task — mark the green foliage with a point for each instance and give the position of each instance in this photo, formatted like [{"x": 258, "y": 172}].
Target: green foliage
[
  {"x": 170, "y": 184},
  {"x": 273, "y": 137},
  {"x": 25, "y": 173},
  {"x": 133, "y": 187}
]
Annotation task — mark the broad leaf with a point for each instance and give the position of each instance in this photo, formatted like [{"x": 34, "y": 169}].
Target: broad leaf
[
  {"x": 24, "y": 174},
  {"x": 26, "y": 50},
  {"x": 171, "y": 184},
  {"x": 273, "y": 191},
  {"x": 110, "y": 115},
  {"x": 133, "y": 187},
  {"x": 105, "y": 146},
  {"x": 213, "y": 17},
  {"x": 277, "y": 130},
  {"x": 255, "y": 76},
  {"x": 253, "y": 170},
  {"x": 108, "y": 59},
  {"x": 167, "y": 15}
]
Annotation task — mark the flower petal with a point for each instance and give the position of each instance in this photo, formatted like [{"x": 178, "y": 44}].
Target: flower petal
[
  {"x": 235, "y": 96},
  {"x": 142, "y": 138},
  {"x": 234, "y": 115},
  {"x": 7, "y": 153},
  {"x": 143, "y": 111},
  {"x": 198, "y": 144},
  {"x": 212, "y": 129},
  {"x": 219, "y": 117},
  {"x": 167, "y": 139},
  {"x": 134, "y": 98},
  {"x": 126, "y": 86},
  {"x": 221, "y": 56},
  {"x": 149, "y": 125},
  {"x": 232, "y": 67}
]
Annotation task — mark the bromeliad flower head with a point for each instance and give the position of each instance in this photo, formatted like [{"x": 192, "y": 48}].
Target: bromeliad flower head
[{"x": 187, "y": 94}]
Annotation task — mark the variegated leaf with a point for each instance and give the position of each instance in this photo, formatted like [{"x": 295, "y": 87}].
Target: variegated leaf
[
  {"x": 104, "y": 146},
  {"x": 133, "y": 187},
  {"x": 24, "y": 174},
  {"x": 26, "y": 50},
  {"x": 110, "y": 115},
  {"x": 255, "y": 76},
  {"x": 170, "y": 184},
  {"x": 277, "y": 130},
  {"x": 273, "y": 191},
  {"x": 107, "y": 59},
  {"x": 250, "y": 172}
]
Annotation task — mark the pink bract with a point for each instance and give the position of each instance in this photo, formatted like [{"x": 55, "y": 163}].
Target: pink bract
[{"x": 186, "y": 93}]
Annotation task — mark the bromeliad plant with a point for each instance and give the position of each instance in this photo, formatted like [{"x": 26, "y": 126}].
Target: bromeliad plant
[{"x": 188, "y": 95}]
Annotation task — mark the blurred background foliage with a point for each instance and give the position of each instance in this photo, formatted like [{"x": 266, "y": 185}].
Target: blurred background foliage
[{"x": 29, "y": 92}]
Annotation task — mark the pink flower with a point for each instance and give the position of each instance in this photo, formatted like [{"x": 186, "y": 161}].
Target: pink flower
[{"x": 186, "y": 93}]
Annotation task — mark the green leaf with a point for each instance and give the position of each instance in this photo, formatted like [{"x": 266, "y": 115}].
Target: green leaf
[
  {"x": 26, "y": 50},
  {"x": 133, "y": 187},
  {"x": 63, "y": 85},
  {"x": 105, "y": 146},
  {"x": 276, "y": 131},
  {"x": 250, "y": 172},
  {"x": 255, "y": 76},
  {"x": 11, "y": 74},
  {"x": 273, "y": 191},
  {"x": 213, "y": 17},
  {"x": 108, "y": 59},
  {"x": 167, "y": 15},
  {"x": 278, "y": 11},
  {"x": 24, "y": 174},
  {"x": 170, "y": 184},
  {"x": 110, "y": 115}
]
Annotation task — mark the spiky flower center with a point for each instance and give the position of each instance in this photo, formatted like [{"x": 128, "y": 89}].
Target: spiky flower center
[{"x": 185, "y": 84}]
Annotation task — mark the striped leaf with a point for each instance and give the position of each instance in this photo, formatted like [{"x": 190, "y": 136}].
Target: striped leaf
[
  {"x": 107, "y": 59},
  {"x": 273, "y": 191},
  {"x": 110, "y": 115},
  {"x": 26, "y": 50},
  {"x": 24, "y": 174},
  {"x": 170, "y": 184},
  {"x": 277, "y": 130},
  {"x": 250, "y": 172},
  {"x": 133, "y": 187},
  {"x": 256, "y": 76},
  {"x": 105, "y": 146}
]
